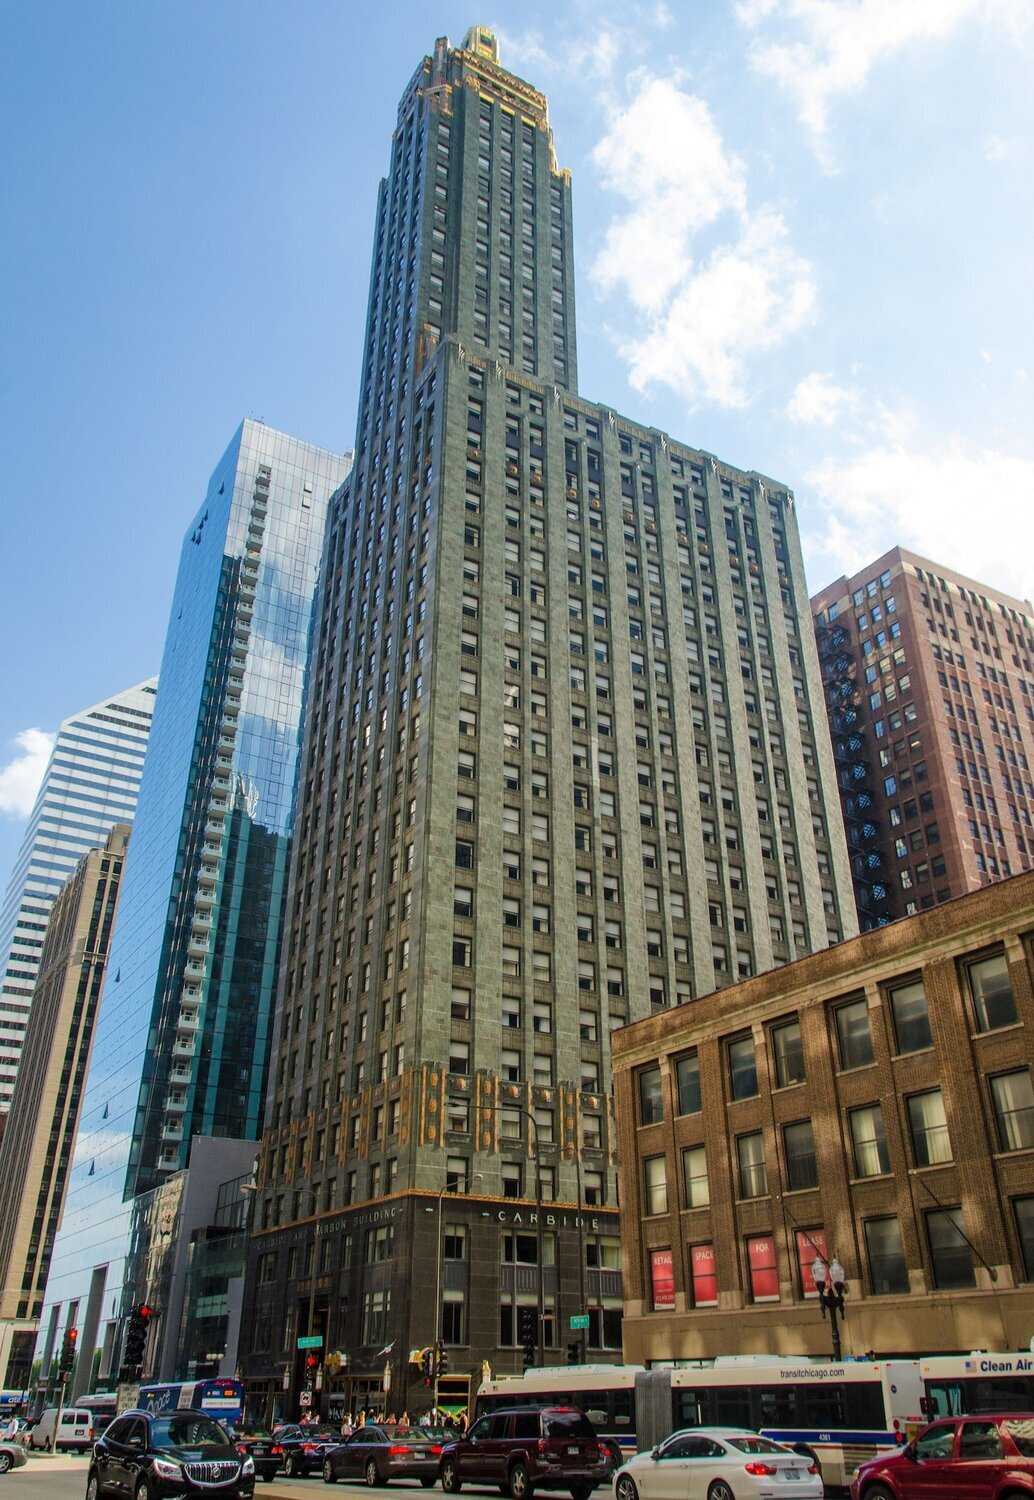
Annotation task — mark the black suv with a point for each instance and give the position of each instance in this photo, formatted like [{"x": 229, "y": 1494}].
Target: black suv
[
  {"x": 528, "y": 1448},
  {"x": 143, "y": 1456}
]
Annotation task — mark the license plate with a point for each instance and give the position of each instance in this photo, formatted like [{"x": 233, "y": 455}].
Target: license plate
[
  {"x": 791, "y": 1473},
  {"x": 573, "y": 1450}
]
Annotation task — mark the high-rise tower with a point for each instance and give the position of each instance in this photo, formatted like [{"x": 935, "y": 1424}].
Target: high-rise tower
[
  {"x": 182, "y": 1037},
  {"x": 930, "y": 685},
  {"x": 566, "y": 762},
  {"x": 91, "y": 783}
]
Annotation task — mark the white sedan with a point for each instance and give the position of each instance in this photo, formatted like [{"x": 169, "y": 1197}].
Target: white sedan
[{"x": 718, "y": 1463}]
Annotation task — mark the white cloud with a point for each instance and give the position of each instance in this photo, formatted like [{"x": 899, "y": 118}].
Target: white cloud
[
  {"x": 20, "y": 777},
  {"x": 818, "y": 50},
  {"x": 818, "y": 400},
  {"x": 1001, "y": 148},
  {"x": 700, "y": 320},
  {"x": 971, "y": 509}
]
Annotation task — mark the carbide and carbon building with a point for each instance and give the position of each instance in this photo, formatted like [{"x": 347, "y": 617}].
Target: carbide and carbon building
[
  {"x": 566, "y": 764},
  {"x": 182, "y": 1038}
]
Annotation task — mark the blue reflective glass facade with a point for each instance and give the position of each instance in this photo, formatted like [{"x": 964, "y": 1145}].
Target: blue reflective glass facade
[{"x": 182, "y": 1037}]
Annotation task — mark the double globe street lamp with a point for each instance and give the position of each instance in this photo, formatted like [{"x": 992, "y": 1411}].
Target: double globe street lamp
[{"x": 831, "y": 1285}]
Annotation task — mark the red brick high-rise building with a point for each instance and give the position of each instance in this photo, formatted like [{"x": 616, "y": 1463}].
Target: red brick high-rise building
[{"x": 929, "y": 681}]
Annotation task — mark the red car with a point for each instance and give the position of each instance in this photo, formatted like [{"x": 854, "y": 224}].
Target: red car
[{"x": 982, "y": 1456}]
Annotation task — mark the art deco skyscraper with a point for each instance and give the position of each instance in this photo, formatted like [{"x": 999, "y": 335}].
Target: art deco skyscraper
[
  {"x": 566, "y": 762},
  {"x": 91, "y": 783}
]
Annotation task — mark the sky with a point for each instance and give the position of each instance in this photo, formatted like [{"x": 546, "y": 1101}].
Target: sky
[{"x": 803, "y": 237}]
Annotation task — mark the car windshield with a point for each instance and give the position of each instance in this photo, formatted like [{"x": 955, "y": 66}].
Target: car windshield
[
  {"x": 187, "y": 1430},
  {"x": 568, "y": 1424},
  {"x": 248, "y": 1433},
  {"x": 415, "y": 1434},
  {"x": 1022, "y": 1434},
  {"x": 755, "y": 1445},
  {"x": 320, "y": 1434}
]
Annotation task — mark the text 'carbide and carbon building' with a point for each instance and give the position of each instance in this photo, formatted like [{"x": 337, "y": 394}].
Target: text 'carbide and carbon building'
[
  {"x": 183, "y": 1032},
  {"x": 566, "y": 763}
]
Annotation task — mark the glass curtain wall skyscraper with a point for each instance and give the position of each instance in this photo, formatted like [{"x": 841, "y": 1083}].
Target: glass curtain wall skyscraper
[
  {"x": 566, "y": 763},
  {"x": 91, "y": 783},
  {"x": 182, "y": 1037}
]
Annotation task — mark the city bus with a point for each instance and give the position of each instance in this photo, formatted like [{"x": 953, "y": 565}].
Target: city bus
[
  {"x": 102, "y": 1407},
  {"x": 222, "y": 1399},
  {"x": 839, "y": 1414},
  {"x": 954, "y": 1384}
]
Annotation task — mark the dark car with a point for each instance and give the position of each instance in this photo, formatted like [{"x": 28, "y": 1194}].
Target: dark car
[
  {"x": 528, "y": 1448},
  {"x": 259, "y": 1446},
  {"x": 143, "y": 1456},
  {"x": 981, "y": 1456},
  {"x": 380, "y": 1453},
  {"x": 302, "y": 1449}
]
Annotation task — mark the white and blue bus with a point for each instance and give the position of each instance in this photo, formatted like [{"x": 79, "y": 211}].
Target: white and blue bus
[
  {"x": 840, "y": 1414},
  {"x": 222, "y": 1399},
  {"x": 956, "y": 1384}
]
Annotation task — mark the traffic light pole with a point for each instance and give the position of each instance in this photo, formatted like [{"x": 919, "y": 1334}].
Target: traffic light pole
[{"x": 437, "y": 1306}]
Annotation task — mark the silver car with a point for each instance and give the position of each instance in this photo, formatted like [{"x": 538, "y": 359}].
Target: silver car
[
  {"x": 12, "y": 1456},
  {"x": 718, "y": 1463}
]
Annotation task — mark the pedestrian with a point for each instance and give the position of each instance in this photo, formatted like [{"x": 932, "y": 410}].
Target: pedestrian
[{"x": 389, "y": 1420}]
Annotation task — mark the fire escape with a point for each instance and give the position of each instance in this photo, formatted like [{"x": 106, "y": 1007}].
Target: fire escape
[{"x": 854, "y": 775}]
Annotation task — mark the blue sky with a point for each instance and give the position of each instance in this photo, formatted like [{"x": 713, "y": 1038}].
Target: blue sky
[{"x": 803, "y": 238}]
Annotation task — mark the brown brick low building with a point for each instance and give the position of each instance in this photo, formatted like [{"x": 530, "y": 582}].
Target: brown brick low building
[{"x": 872, "y": 1102}]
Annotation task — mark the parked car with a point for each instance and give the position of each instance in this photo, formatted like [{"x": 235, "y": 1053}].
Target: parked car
[
  {"x": 981, "y": 1456},
  {"x": 12, "y": 1455},
  {"x": 527, "y": 1448},
  {"x": 76, "y": 1429},
  {"x": 380, "y": 1453},
  {"x": 168, "y": 1456},
  {"x": 260, "y": 1446},
  {"x": 303, "y": 1449},
  {"x": 718, "y": 1463}
]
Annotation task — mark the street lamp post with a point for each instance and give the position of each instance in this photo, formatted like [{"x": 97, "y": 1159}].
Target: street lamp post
[
  {"x": 831, "y": 1285},
  {"x": 581, "y": 1240}
]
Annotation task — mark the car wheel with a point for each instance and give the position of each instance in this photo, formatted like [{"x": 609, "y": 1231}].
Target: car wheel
[
  {"x": 143, "y": 1490},
  {"x": 5, "y": 1462},
  {"x": 877, "y": 1492},
  {"x": 329, "y": 1477},
  {"x": 720, "y": 1491},
  {"x": 93, "y": 1488},
  {"x": 626, "y": 1489},
  {"x": 581, "y": 1491},
  {"x": 373, "y": 1478},
  {"x": 450, "y": 1479},
  {"x": 427, "y": 1481},
  {"x": 269, "y": 1478},
  {"x": 291, "y": 1469},
  {"x": 520, "y": 1484}
]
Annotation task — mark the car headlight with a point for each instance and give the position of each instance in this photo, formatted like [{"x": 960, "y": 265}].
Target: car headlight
[
  {"x": 167, "y": 1468},
  {"x": 247, "y": 1467}
]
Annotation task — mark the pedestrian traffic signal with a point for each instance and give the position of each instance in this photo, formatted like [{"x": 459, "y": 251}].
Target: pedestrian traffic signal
[
  {"x": 135, "y": 1340},
  {"x": 69, "y": 1344},
  {"x": 527, "y": 1319},
  {"x": 574, "y": 1353},
  {"x": 427, "y": 1364}
]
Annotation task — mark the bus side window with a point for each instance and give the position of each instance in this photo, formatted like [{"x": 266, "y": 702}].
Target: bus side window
[{"x": 624, "y": 1401}]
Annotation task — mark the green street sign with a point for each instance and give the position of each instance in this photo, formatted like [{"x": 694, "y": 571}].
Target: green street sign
[
  {"x": 315, "y": 1340},
  {"x": 580, "y": 1320}
]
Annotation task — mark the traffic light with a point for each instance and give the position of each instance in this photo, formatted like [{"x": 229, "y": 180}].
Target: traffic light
[
  {"x": 427, "y": 1364},
  {"x": 68, "y": 1351},
  {"x": 310, "y": 1363},
  {"x": 527, "y": 1319},
  {"x": 574, "y": 1352},
  {"x": 442, "y": 1362},
  {"x": 135, "y": 1340}
]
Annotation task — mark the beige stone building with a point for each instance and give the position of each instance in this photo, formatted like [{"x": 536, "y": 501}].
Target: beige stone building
[
  {"x": 37, "y": 1144},
  {"x": 873, "y": 1102}
]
